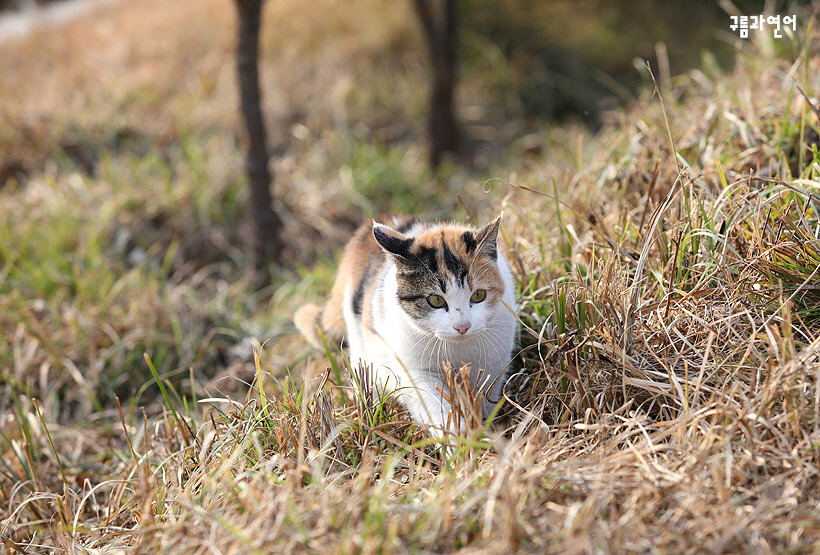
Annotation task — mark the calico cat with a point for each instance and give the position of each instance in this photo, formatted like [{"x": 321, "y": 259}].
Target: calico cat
[{"x": 411, "y": 297}]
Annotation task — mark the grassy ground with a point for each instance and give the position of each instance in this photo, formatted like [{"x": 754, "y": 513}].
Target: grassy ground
[{"x": 665, "y": 399}]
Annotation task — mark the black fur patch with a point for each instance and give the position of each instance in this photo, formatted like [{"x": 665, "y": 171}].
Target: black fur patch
[
  {"x": 454, "y": 264},
  {"x": 469, "y": 241},
  {"x": 358, "y": 296},
  {"x": 426, "y": 257}
]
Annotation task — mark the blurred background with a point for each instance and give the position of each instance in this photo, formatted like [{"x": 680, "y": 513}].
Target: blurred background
[
  {"x": 560, "y": 58},
  {"x": 85, "y": 81}
]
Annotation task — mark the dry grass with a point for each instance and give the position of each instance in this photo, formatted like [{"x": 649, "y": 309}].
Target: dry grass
[{"x": 665, "y": 398}]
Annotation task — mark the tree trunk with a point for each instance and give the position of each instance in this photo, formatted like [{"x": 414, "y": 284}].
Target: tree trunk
[
  {"x": 266, "y": 222},
  {"x": 440, "y": 32}
]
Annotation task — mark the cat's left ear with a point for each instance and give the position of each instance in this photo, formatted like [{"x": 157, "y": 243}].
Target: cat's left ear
[
  {"x": 392, "y": 241},
  {"x": 487, "y": 239}
]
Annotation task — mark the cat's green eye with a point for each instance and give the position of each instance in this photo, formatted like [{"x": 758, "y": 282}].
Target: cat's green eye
[
  {"x": 436, "y": 301},
  {"x": 478, "y": 296}
]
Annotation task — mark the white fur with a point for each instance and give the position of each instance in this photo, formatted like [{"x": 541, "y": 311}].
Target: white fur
[{"x": 408, "y": 356}]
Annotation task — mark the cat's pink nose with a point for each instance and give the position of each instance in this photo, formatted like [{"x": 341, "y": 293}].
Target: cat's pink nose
[{"x": 461, "y": 328}]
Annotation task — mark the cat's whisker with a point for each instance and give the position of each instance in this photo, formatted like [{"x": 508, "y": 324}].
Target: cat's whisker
[{"x": 433, "y": 351}]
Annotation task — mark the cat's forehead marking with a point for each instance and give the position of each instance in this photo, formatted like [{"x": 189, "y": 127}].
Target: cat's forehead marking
[
  {"x": 446, "y": 251},
  {"x": 427, "y": 257},
  {"x": 453, "y": 262}
]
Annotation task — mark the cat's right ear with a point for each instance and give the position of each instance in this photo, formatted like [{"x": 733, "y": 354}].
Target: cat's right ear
[
  {"x": 487, "y": 237},
  {"x": 392, "y": 241}
]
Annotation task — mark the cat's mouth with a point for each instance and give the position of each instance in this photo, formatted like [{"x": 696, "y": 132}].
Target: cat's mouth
[{"x": 459, "y": 337}]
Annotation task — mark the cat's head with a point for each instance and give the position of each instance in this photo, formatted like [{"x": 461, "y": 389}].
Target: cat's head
[{"x": 448, "y": 277}]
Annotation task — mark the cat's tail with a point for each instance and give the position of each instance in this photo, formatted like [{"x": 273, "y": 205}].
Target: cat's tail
[{"x": 310, "y": 322}]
